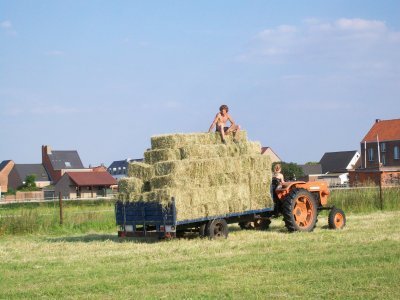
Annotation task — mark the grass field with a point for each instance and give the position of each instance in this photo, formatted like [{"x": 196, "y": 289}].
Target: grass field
[{"x": 360, "y": 262}]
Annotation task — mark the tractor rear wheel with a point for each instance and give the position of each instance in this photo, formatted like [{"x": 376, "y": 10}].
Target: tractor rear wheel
[
  {"x": 217, "y": 228},
  {"x": 336, "y": 218},
  {"x": 299, "y": 210}
]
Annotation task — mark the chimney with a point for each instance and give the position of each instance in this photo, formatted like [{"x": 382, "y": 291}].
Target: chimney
[
  {"x": 46, "y": 149},
  {"x": 377, "y": 120}
]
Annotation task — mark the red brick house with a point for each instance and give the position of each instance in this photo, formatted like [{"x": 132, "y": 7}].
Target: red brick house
[
  {"x": 58, "y": 162},
  {"x": 380, "y": 155}
]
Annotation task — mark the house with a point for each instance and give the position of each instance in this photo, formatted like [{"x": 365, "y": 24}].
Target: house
[
  {"x": 5, "y": 169},
  {"x": 100, "y": 168},
  {"x": 84, "y": 184},
  {"x": 119, "y": 168},
  {"x": 311, "y": 172},
  {"x": 339, "y": 162},
  {"x": 336, "y": 166},
  {"x": 57, "y": 163},
  {"x": 380, "y": 155},
  {"x": 19, "y": 172},
  {"x": 268, "y": 151}
]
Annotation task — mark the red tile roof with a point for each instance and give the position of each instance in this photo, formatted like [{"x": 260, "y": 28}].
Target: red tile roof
[
  {"x": 91, "y": 178},
  {"x": 386, "y": 130}
]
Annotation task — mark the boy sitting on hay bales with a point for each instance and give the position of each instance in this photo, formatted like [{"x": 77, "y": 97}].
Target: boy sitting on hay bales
[{"x": 220, "y": 121}]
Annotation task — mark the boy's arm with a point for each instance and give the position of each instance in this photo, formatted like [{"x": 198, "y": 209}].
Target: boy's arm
[
  {"x": 213, "y": 123},
  {"x": 231, "y": 120}
]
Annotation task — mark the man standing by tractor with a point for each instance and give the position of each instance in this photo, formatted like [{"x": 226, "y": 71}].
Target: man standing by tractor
[{"x": 220, "y": 121}]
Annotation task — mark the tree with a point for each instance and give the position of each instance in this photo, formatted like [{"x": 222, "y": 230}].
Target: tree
[
  {"x": 291, "y": 171},
  {"x": 30, "y": 184}
]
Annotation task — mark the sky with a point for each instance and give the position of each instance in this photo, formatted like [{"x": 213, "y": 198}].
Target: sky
[{"x": 101, "y": 77}]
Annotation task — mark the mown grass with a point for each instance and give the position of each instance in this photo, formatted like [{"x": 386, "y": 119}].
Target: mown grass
[{"x": 360, "y": 262}]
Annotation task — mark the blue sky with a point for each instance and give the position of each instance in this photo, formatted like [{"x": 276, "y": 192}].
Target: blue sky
[{"x": 102, "y": 77}]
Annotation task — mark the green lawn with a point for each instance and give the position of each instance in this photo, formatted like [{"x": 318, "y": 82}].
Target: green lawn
[{"x": 360, "y": 262}]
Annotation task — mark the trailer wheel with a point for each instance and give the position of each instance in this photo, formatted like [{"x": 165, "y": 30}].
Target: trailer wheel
[
  {"x": 299, "y": 210},
  {"x": 245, "y": 225},
  {"x": 217, "y": 228},
  {"x": 203, "y": 230},
  {"x": 336, "y": 219},
  {"x": 261, "y": 224}
]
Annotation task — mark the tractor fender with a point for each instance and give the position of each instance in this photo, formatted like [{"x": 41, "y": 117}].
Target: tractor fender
[{"x": 284, "y": 189}]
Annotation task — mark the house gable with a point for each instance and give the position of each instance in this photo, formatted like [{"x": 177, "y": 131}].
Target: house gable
[
  {"x": 56, "y": 162},
  {"x": 268, "y": 151},
  {"x": 5, "y": 168},
  {"x": 383, "y": 130},
  {"x": 339, "y": 162},
  {"x": 19, "y": 173}
]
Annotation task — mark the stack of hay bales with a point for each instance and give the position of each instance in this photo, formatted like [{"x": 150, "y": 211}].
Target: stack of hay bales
[{"x": 205, "y": 177}]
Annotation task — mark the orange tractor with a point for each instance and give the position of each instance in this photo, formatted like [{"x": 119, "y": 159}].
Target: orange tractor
[{"x": 299, "y": 203}]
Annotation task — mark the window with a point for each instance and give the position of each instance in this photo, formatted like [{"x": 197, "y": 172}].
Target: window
[
  {"x": 383, "y": 159},
  {"x": 68, "y": 164},
  {"x": 371, "y": 154},
  {"x": 396, "y": 152},
  {"x": 383, "y": 147}
]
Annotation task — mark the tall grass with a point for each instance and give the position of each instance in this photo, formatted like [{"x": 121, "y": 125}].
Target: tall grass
[
  {"x": 78, "y": 216},
  {"x": 366, "y": 199},
  {"x": 98, "y": 215}
]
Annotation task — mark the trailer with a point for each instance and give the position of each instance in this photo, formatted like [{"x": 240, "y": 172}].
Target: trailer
[
  {"x": 298, "y": 202},
  {"x": 152, "y": 219}
]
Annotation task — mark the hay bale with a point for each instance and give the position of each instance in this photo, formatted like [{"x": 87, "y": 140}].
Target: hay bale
[
  {"x": 154, "y": 156},
  {"x": 140, "y": 170},
  {"x": 130, "y": 188},
  {"x": 205, "y": 177},
  {"x": 179, "y": 140},
  {"x": 219, "y": 150}
]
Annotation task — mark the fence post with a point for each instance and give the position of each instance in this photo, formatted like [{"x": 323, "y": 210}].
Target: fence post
[
  {"x": 380, "y": 190},
  {"x": 61, "y": 208}
]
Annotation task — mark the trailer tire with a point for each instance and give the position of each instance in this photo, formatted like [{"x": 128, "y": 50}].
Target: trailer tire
[
  {"x": 203, "y": 230},
  {"x": 261, "y": 224},
  {"x": 217, "y": 229},
  {"x": 245, "y": 225},
  {"x": 336, "y": 218},
  {"x": 299, "y": 210}
]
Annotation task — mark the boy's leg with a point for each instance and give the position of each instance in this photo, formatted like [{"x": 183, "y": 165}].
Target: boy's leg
[
  {"x": 222, "y": 133},
  {"x": 236, "y": 132}
]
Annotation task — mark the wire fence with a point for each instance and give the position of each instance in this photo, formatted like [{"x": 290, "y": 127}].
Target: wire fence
[{"x": 4, "y": 200}]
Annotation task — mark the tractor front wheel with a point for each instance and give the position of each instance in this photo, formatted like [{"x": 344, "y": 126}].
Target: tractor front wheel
[
  {"x": 336, "y": 219},
  {"x": 299, "y": 210}
]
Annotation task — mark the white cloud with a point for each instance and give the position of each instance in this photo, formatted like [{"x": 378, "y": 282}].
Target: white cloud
[
  {"x": 172, "y": 104},
  {"x": 7, "y": 27},
  {"x": 52, "y": 109},
  {"x": 343, "y": 43},
  {"x": 360, "y": 24},
  {"x": 55, "y": 53},
  {"x": 39, "y": 109}
]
